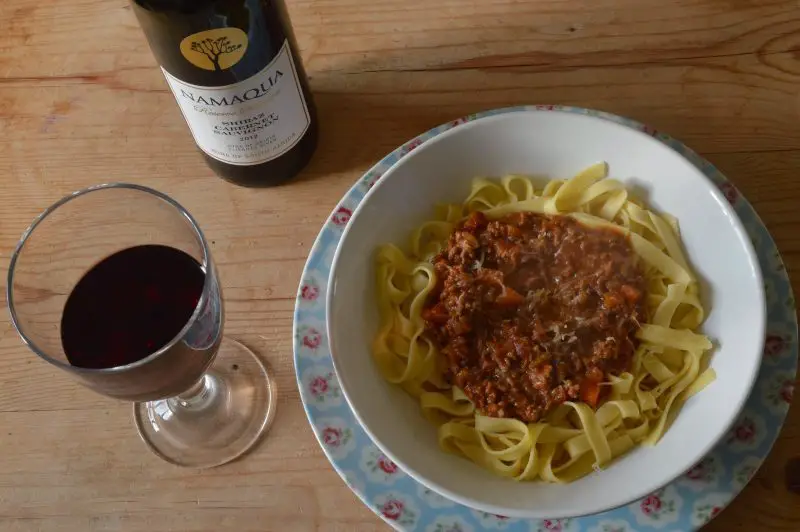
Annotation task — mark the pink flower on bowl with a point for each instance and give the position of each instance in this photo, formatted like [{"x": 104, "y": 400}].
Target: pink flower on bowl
[
  {"x": 411, "y": 146},
  {"x": 457, "y": 122},
  {"x": 332, "y": 436},
  {"x": 318, "y": 386},
  {"x": 392, "y": 509},
  {"x": 787, "y": 391},
  {"x": 703, "y": 470},
  {"x": 386, "y": 465},
  {"x": 309, "y": 292},
  {"x": 744, "y": 431},
  {"x": 312, "y": 339},
  {"x": 341, "y": 216},
  {"x": 697, "y": 472},
  {"x": 774, "y": 345},
  {"x": 552, "y": 524},
  {"x": 730, "y": 192},
  {"x": 373, "y": 179},
  {"x": 649, "y": 130},
  {"x": 651, "y": 505}
]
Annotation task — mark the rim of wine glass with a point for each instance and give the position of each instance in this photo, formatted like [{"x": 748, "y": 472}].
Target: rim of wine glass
[{"x": 207, "y": 265}]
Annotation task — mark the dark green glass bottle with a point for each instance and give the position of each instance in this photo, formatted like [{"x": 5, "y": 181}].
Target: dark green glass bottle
[{"x": 236, "y": 74}]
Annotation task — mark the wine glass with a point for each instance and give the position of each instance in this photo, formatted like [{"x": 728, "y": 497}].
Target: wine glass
[{"x": 200, "y": 399}]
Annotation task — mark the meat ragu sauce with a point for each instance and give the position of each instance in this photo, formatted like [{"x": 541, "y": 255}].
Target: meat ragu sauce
[{"x": 531, "y": 311}]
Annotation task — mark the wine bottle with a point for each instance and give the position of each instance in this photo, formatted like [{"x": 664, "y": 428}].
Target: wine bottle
[{"x": 234, "y": 69}]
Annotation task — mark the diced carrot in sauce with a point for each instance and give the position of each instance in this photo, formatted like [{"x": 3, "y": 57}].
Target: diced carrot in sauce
[
  {"x": 590, "y": 392},
  {"x": 612, "y": 300},
  {"x": 514, "y": 232},
  {"x": 509, "y": 297},
  {"x": 632, "y": 295},
  {"x": 435, "y": 314},
  {"x": 476, "y": 220}
]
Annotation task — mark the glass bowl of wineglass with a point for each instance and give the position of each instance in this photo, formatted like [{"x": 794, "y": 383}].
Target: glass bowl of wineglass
[{"x": 115, "y": 285}]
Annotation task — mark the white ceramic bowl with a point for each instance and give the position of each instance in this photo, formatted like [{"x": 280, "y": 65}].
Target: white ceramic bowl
[{"x": 551, "y": 144}]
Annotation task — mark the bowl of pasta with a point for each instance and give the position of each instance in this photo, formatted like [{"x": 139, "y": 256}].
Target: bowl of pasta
[{"x": 545, "y": 314}]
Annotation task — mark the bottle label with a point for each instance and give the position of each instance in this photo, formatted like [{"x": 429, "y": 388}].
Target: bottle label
[{"x": 249, "y": 122}]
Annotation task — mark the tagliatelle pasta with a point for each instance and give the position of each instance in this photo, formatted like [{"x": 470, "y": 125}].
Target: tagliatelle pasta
[{"x": 566, "y": 439}]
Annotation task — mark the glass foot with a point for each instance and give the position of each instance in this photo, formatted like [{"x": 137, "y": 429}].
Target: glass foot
[{"x": 218, "y": 420}]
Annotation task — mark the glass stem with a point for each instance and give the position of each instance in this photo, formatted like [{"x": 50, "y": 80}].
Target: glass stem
[{"x": 201, "y": 395}]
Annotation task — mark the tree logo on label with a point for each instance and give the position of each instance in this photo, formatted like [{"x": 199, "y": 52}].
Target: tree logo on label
[{"x": 216, "y": 49}]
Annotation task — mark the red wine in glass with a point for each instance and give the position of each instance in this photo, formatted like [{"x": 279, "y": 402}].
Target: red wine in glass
[{"x": 130, "y": 305}]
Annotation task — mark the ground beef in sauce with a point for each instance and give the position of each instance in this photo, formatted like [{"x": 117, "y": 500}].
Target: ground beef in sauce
[{"x": 531, "y": 311}]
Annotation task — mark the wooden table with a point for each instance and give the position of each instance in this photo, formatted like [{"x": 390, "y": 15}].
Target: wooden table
[{"x": 82, "y": 102}]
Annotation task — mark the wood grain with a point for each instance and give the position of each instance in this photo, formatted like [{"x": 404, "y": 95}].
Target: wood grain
[{"x": 82, "y": 101}]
